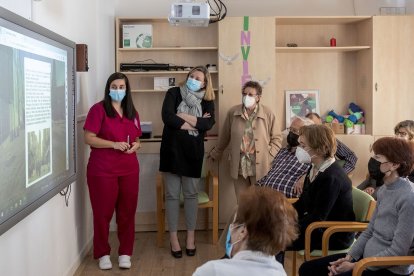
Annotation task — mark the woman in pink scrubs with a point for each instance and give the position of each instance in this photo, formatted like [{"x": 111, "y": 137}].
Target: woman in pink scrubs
[{"x": 112, "y": 129}]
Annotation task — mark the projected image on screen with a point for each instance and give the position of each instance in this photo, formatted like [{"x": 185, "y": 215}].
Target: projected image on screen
[{"x": 36, "y": 118}]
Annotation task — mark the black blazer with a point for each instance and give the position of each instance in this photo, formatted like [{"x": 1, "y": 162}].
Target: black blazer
[
  {"x": 327, "y": 198},
  {"x": 182, "y": 153}
]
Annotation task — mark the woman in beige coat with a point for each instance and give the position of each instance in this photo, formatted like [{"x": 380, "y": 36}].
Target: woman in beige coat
[{"x": 251, "y": 131}]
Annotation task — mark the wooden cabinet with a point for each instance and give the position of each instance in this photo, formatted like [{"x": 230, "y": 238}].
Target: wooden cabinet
[
  {"x": 314, "y": 65},
  {"x": 371, "y": 65},
  {"x": 179, "y": 47},
  {"x": 393, "y": 71}
]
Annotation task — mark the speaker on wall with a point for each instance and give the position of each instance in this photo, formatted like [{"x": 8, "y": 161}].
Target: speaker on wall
[{"x": 82, "y": 58}]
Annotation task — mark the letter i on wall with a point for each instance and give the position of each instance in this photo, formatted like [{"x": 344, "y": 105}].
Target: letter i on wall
[{"x": 245, "y": 49}]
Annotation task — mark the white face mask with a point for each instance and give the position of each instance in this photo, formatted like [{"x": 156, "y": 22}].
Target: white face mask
[
  {"x": 303, "y": 156},
  {"x": 249, "y": 101}
]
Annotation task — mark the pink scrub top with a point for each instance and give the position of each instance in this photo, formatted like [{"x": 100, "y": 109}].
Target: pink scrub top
[{"x": 107, "y": 161}]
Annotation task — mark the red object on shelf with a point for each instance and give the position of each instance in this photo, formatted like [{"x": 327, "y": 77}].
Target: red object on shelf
[{"x": 333, "y": 42}]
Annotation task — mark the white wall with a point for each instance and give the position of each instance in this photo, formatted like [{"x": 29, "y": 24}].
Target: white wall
[
  {"x": 53, "y": 239},
  {"x": 20, "y": 7},
  {"x": 161, "y": 8}
]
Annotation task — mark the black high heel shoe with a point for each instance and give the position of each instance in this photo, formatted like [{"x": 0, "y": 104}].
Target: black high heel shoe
[
  {"x": 190, "y": 252},
  {"x": 176, "y": 254}
]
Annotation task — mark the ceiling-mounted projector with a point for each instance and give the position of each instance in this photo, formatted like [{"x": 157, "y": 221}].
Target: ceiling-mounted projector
[{"x": 190, "y": 14}]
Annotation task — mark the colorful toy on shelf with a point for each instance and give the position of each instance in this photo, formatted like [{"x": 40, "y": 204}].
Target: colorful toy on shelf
[
  {"x": 332, "y": 116},
  {"x": 356, "y": 115}
]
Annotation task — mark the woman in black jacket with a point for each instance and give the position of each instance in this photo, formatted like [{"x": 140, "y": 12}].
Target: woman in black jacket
[
  {"x": 187, "y": 113},
  {"x": 327, "y": 191}
]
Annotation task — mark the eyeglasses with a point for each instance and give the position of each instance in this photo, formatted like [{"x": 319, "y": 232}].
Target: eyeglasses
[{"x": 401, "y": 134}]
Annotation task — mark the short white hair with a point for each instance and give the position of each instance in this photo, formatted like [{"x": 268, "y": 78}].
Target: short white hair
[{"x": 305, "y": 121}]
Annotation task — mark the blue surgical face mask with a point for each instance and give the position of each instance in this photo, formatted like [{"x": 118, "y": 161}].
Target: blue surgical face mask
[
  {"x": 229, "y": 245},
  {"x": 117, "y": 95},
  {"x": 193, "y": 84}
]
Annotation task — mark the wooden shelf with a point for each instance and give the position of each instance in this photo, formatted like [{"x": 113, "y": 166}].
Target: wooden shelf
[
  {"x": 154, "y": 49},
  {"x": 155, "y": 73},
  {"x": 147, "y": 91},
  {"x": 152, "y": 140},
  {"x": 320, "y": 49},
  {"x": 319, "y": 20},
  {"x": 155, "y": 91}
]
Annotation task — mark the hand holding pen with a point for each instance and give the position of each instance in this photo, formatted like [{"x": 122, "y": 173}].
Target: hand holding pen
[
  {"x": 135, "y": 146},
  {"x": 122, "y": 146}
]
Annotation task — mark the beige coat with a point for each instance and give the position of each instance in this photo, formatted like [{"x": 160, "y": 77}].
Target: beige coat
[{"x": 266, "y": 134}]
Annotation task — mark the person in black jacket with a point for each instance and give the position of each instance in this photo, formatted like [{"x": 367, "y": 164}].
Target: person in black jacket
[
  {"x": 327, "y": 191},
  {"x": 187, "y": 113}
]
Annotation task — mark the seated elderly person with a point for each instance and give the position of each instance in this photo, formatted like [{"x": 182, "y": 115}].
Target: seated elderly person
[
  {"x": 327, "y": 192},
  {"x": 403, "y": 130},
  {"x": 390, "y": 230},
  {"x": 286, "y": 171},
  {"x": 343, "y": 153},
  {"x": 263, "y": 226}
]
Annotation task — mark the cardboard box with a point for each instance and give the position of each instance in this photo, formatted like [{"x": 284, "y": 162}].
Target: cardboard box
[
  {"x": 163, "y": 83},
  {"x": 356, "y": 129},
  {"x": 137, "y": 36},
  {"x": 336, "y": 128}
]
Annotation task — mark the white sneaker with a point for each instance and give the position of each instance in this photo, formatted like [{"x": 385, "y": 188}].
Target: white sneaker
[
  {"x": 124, "y": 261},
  {"x": 105, "y": 262}
]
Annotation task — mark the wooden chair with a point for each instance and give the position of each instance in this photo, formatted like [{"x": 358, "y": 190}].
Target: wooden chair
[
  {"x": 381, "y": 261},
  {"x": 363, "y": 205},
  {"x": 206, "y": 199}
]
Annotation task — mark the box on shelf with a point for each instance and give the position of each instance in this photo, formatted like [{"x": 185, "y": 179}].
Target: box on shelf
[
  {"x": 163, "y": 83},
  {"x": 336, "y": 127},
  {"x": 356, "y": 129},
  {"x": 146, "y": 128},
  {"x": 137, "y": 36}
]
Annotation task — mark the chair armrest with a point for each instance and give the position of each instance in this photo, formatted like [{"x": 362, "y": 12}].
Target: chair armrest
[
  {"x": 352, "y": 227},
  {"x": 324, "y": 224},
  {"x": 292, "y": 200},
  {"x": 381, "y": 261}
]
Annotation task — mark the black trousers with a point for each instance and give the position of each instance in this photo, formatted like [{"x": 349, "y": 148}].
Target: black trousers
[{"x": 319, "y": 267}]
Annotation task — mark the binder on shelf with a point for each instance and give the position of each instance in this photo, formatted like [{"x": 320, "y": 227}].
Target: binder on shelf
[{"x": 137, "y": 36}]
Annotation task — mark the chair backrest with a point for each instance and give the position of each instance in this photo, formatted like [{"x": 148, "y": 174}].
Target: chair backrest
[{"x": 363, "y": 205}]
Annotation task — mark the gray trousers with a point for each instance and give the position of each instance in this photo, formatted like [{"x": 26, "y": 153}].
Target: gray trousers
[{"x": 173, "y": 185}]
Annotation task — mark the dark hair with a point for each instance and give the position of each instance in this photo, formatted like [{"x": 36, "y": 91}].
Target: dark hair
[
  {"x": 398, "y": 151},
  {"x": 255, "y": 85},
  {"x": 127, "y": 104},
  {"x": 408, "y": 125},
  {"x": 270, "y": 220},
  {"x": 320, "y": 138}
]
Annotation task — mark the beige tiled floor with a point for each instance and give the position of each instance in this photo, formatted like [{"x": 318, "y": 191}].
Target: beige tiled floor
[{"x": 148, "y": 259}]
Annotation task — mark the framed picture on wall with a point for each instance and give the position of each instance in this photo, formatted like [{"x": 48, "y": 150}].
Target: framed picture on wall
[{"x": 300, "y": 103}]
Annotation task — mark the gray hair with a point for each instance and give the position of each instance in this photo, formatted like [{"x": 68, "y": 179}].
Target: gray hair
[{"x": 305, "y": 121}]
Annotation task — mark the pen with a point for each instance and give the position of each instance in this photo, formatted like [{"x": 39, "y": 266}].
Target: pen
[{"x": 128, "y": 139}]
